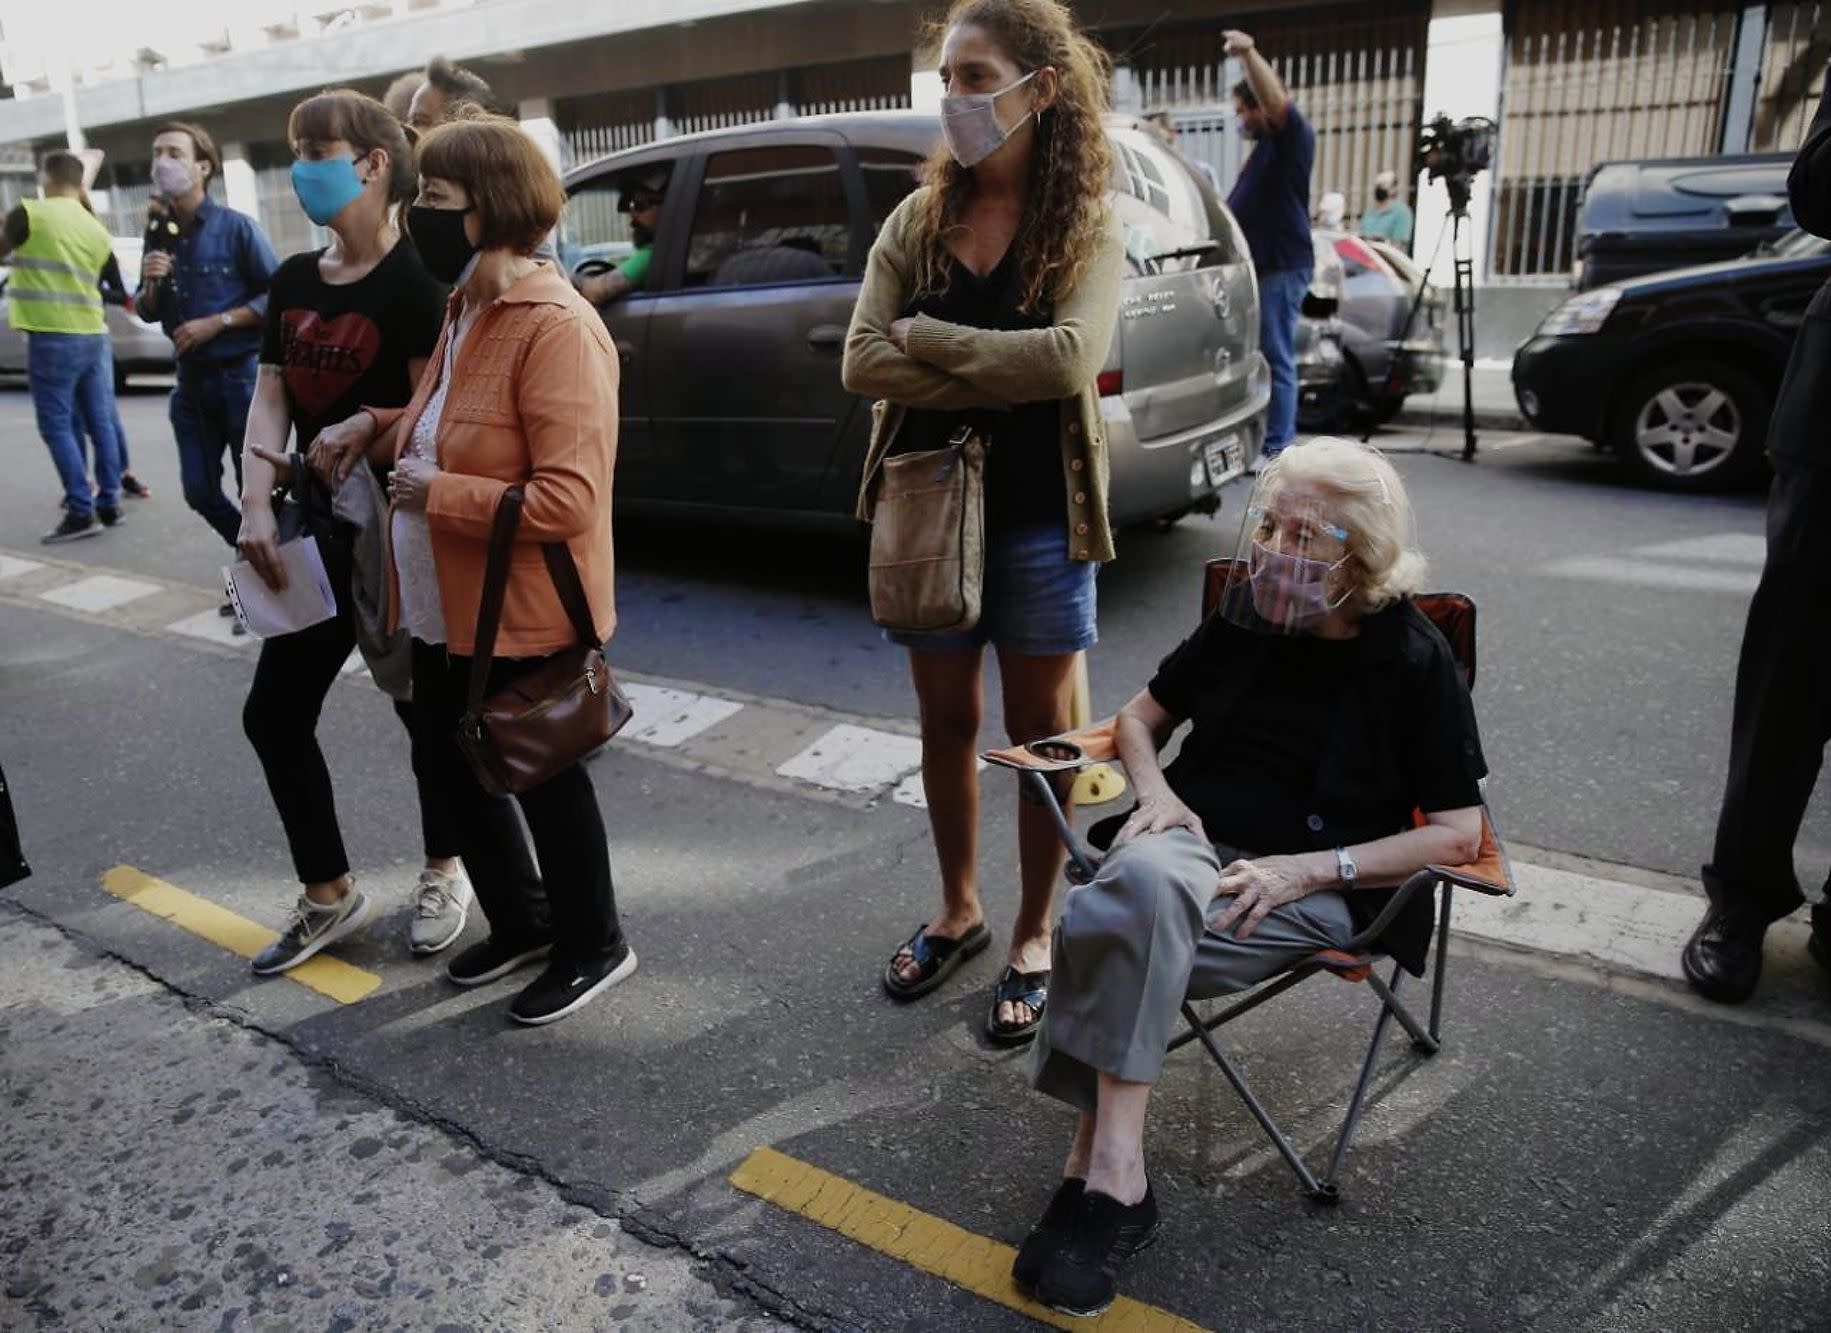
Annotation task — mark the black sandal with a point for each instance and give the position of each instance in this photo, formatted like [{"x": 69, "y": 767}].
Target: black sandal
[
  {"x": 1014, "y": 987},
  {"x": 936, "y": 958}
]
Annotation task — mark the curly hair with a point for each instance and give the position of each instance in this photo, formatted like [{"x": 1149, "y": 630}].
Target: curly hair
[{"x": 1069, "y": 168}]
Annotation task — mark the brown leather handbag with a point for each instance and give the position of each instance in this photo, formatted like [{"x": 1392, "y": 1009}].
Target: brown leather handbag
[
  {"x": 928, "y": 537},
  {"x": 549, "y": 718}
]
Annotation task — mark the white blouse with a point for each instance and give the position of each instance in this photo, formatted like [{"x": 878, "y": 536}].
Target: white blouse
[{"x": 422, "y": 613}]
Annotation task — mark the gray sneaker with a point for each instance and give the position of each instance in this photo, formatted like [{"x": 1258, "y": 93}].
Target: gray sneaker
[
  {"x": 312, "y": 928},
  {"x": 441, "y": 906}
]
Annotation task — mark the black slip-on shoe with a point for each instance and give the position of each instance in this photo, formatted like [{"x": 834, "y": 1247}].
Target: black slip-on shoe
[{"x": 1722, "y": 960}]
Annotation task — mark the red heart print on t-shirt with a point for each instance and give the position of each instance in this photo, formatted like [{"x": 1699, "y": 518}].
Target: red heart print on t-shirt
[{"x": 323, "y": 358}]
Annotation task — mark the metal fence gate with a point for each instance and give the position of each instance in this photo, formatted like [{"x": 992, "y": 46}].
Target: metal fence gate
[
  {"x": 1357, "y": 75},
  {"x": 1590, "y": 81},
  {"x": 1798, "y": 43}
]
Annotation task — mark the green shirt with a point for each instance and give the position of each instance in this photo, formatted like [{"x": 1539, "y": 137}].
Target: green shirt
[
  {"x": 1391, "y": 223},
  {"x": 635, "y": 268}
]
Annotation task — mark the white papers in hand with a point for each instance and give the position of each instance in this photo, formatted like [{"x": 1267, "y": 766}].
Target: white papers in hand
[{"x": 306, "y": 601}]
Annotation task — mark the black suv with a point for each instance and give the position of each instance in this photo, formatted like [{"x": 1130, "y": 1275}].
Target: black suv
[
  {"x": 1675, "y": 372},
  {"x": 1676, "y": 212}
]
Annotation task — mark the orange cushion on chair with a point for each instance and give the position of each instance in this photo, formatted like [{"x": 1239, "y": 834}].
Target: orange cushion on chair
[
  {"x": 1093, "y": 745},
  {"x": 1347, "y": 966}
]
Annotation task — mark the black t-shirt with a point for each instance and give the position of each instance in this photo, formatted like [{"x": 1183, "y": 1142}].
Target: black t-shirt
[
  {"x": 1023, "y": 457},
  {"x": 1304, "y": 744},
  {"x": 344, "y": 347}
]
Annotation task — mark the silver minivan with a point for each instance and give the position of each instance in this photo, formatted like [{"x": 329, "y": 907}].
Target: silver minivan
[{"x": 732, "y": 402}]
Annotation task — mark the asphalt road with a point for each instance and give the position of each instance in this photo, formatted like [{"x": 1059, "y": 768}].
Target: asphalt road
[
  {"x": 1607, "y": 651},
  {"x": 1590, "y": 1150}
]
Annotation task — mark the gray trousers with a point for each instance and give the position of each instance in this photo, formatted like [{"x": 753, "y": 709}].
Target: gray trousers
[{"x": 1134, "y": 943}]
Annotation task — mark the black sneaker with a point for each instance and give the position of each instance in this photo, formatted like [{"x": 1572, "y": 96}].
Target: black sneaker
[
  {"x": 490, "y": 961},
  {"x": 1049, "y": 1234},
  {"x": 110, "y": 517},
  {"x": 71, "y": 527},
  {"x": 132, "y": 485},
  {"x": 568, "y": 984},
  {"x": 1082, "y": 1277}
]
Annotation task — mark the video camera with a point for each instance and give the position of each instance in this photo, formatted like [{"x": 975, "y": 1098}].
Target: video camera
[{"x": 1454, "y": 152}]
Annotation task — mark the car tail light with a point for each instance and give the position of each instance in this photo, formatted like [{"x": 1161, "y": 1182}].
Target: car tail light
[
  {"x": 1111, "y": 383},
  {"x": 1354, "y": 250}
]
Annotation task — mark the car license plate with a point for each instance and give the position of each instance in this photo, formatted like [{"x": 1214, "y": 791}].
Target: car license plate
[{"x": 1225, "y": 457}]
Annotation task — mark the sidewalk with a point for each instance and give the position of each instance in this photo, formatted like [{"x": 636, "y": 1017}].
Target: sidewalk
[{"x": 1495, "y": 408}]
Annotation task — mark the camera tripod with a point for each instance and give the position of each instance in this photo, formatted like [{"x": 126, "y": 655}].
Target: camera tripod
[{"x": 1463, "y": 265}]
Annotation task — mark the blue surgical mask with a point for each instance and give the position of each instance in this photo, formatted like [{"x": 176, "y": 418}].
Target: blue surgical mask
[{"x": 326, "y": 187}]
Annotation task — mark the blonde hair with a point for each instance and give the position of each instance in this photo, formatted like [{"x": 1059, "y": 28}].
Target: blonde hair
[{"x": 1365, "y": 495}]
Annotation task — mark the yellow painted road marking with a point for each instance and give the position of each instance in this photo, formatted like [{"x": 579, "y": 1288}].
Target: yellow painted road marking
[
  {"x": 328, "y": 976},
  {"x": 927, "y": 1243}
]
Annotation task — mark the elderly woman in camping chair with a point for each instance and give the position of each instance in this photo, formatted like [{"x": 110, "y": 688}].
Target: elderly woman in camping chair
[{"x": 1328, "y": 711}]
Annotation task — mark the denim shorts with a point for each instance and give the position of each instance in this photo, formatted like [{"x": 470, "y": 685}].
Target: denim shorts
[{"x": 1035, "y": 600}]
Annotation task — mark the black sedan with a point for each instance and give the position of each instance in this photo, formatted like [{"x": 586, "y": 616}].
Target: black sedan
[{"x": 1675, "y": 372}]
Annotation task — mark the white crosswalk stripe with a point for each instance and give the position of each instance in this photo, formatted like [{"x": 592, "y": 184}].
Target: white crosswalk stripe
[
  {"x": 12, "y": 567},
  {"x": 100, "y": 592},
  {"x": 855, "y": 759},
  {"x": 668, "y": 717}
]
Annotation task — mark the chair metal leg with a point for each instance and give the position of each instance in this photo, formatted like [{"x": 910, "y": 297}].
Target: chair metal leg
[
  {"x": 1396, "y": 1007},
  {"x": 1443, "y": 958},
  {"x": 1064, "y": 830},
  {"x": 1389, "y": 1006},
  {"x": 1314, "y": 1188}
]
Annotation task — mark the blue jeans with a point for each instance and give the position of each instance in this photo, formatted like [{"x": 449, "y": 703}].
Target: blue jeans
[
  {"x": 209, "y": 415},
  {"x": 1036, "y": 599},
  {"x": 1280, "y": 302},
  {"x": 72, "y": 377}
]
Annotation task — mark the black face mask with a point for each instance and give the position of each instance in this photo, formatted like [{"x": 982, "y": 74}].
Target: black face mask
[
  {"x": 1382, "y": 194},
  {"x": 438, "y": 234},
  {"x": 640, "y": 234}
]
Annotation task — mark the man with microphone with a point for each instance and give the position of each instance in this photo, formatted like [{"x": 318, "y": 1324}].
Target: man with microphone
[{"x": 204, "y": 279}]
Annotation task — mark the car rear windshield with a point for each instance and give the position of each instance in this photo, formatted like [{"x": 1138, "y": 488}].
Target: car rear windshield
[{"x": 1172, "y": 218}]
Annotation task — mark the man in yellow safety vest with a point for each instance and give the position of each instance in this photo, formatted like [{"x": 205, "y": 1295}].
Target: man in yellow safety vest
[{"x": 57, "y": 251}]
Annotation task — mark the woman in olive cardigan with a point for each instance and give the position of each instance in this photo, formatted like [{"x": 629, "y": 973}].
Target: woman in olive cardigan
[{"x": 990, "y": 300}]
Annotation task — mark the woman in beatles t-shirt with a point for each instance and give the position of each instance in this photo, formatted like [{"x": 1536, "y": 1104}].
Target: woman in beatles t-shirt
[{"x": 349, "y": 325}]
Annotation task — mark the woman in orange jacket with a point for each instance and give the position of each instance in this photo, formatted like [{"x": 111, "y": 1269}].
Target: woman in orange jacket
[{"x": 521, "y": 391}]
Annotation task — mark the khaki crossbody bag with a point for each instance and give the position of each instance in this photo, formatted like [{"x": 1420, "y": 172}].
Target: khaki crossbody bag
[{"x": 928, "y": 537}]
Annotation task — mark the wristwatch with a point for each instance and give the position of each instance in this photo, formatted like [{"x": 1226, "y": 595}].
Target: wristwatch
[
  {"x": 1345, "y": 868},
  {"x": 227, "y": 323}
]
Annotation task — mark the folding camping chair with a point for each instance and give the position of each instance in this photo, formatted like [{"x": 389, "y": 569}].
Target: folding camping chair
[{"x": 1038, "y": 762}]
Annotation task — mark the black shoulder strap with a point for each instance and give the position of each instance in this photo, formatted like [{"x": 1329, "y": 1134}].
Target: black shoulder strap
[{"x": 495, "y": 583}]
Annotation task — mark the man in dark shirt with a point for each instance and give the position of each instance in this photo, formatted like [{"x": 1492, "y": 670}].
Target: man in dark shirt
[
  {"x": 1271, "y": 200},
  {"x": 205, "y": 281}
]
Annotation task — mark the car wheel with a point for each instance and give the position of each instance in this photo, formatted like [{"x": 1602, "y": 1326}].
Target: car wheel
[{"x": 1693, "y": 426}]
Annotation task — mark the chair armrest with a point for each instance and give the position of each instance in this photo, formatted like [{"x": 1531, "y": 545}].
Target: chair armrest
[
  {"x": 1489, "y": 872},
  {"x": 1059, "y": 754},
  {"x": 1421, "y": 879}
]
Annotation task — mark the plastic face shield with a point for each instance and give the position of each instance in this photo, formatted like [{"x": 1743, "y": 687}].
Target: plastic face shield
[{"x": 1293, "y": 559}]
